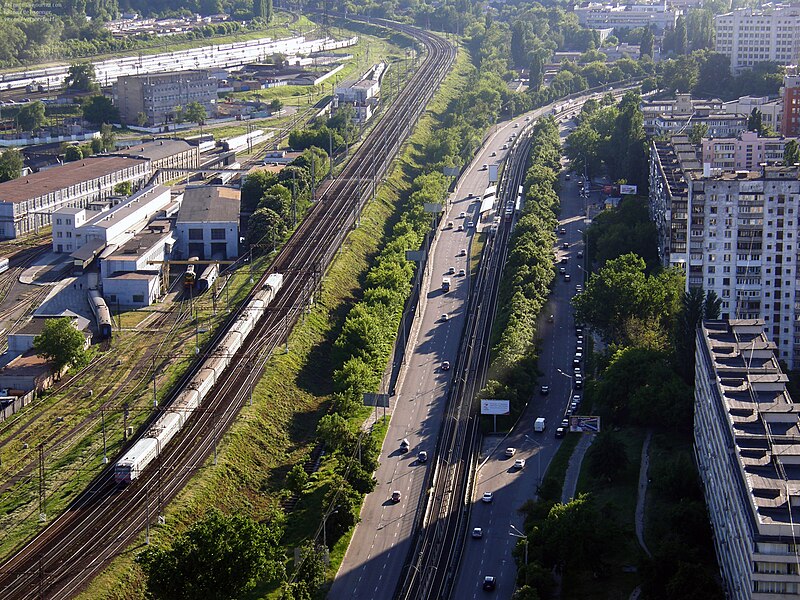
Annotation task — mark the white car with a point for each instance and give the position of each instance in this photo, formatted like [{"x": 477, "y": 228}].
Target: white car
[
  {"x": 470, "y": 224},
  {"x": 510, "y": 452},
  {"x": 519, "y": 463},
  {"x": 487, "y": 497},
  {"x": 477, "y": 533}
]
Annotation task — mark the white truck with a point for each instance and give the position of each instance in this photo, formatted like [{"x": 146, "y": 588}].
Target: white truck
[{"x": 538, "y": 425}]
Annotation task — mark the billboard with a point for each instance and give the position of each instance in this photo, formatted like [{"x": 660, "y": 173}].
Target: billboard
[
  {"x": 432, "y": 207},
  {"x": 627, "y": 189},
  {"x": 376, "y": 400},
  {"x": 579, "y": 424},
  {"x": 493, "y": 177},
  {"x": 495, "y": 407}
]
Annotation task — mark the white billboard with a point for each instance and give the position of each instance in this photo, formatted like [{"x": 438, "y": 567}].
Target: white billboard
[
  {"x": 580, "y": 424},
  {"x": 493, "y": 176},
  {"x": 495, "y": 407},
  {"x": 627, "y": 189}
]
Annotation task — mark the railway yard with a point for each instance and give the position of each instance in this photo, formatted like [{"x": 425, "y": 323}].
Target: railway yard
[{"x": 102, "y": 521}]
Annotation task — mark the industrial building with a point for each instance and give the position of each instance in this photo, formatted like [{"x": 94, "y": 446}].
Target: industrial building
[
  {"x": 165, "y": 154},
  {"x": 208, "y": 223},
  {"x": 27, "y": 203},
  {"x": 750, "y": 36},
  {"x": 156, "y": 96},
  {"x": 597, "y": 15},
  {"x": 131, "y": 273},
  {"x": 733, "y": 233},
  {"x": 84, "y": 234},
  {"x": 362, "y": 95},
  {"x": 746, "y": 434}
]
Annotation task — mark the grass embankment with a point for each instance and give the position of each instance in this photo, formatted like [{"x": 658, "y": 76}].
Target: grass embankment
[
  {"x": 277, "y": 432},
  {"x": 68, "y": 421}
]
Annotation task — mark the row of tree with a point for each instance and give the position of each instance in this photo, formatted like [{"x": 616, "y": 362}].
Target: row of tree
[
  {"x": 610, "y": 137},
  {"x": 334, "y": 133},
  {"x": 528, "y": 273}
]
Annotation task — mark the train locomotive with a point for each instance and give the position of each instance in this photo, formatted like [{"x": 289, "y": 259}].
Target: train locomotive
[{"x": 175, "y": 416}]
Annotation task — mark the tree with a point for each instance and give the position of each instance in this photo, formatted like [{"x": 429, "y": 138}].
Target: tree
[
  {"x": 73, "y": 153},
  {"x": 276, "y": 106},
  {"x": 194, "y": 112},
  {"x": 698, "y": 132},
  {"x": 791, "y": 153},
  {"x": 98, "y": 109},
  {"x": 260, "y": 9},
  {"x": 573, "y": 535},
  {"x": 681, "y": 40},
  {"x": 123, "y": 188},
  {"x": 266, "y": 230},
  {"x": 107, "y": 137},
  {"x": 607, "y": 456},
  {"x": 755, "y": 122},
  {"x": 81, "y": 78},
  {"x": 31, "y": 116},
  {"x": 296, "y": 479},
  {"x": 646, "y": 44},
  {"x": 61, "y": 343},
  {"x": 11, "y": 164},
  {"x": 536, "y": 75},
  {"x": 141, "y": 119},
  {"x": 254, "y": 187},
  {"x": 219, "y": 557}
]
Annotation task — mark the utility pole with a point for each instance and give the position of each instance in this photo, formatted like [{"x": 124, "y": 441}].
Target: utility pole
[
  {"x": 294, "y": 196},
  {"x": 103, "y": 419},
  {"x": 42, "y": 513},
  {"x": 155, "y": 398}
]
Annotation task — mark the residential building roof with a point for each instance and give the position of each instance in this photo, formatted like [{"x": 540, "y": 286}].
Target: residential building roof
[
  {"x": 63, "y": 176},
  {"x": 157, "y": 149},
  {"x": 209, "y": 203}
]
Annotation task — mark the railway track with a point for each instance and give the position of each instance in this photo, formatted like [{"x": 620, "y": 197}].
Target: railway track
[
  {"x": 104, "y": 519},
  {"x": 434, "y": 556}
]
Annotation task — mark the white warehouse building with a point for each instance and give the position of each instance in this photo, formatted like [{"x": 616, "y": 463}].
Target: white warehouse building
[{"x": 208, "y": 223}]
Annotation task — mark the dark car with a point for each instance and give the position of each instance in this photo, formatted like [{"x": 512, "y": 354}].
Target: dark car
[
  {"x": 545, "y": 389},
  {"x": 422, "y": 457},
  {"x": 561, "y": 432},
  {"x": 489, "y": 583},
  {"x": 404, "y": 445}
]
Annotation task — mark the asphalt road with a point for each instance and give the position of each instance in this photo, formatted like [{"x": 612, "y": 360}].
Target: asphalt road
[
  {"x": 491, "y": 554},
  {"x": 374, "y": 560}
]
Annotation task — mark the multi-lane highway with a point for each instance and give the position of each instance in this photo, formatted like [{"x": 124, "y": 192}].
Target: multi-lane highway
[
  {"x": 499, "y": 520},
  {"x": 380, "y": 544}
]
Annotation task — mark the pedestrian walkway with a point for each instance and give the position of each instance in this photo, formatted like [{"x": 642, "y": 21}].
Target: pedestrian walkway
[
  {"x": 642, "y": 495},
  {"x": 574, "y": 468}
]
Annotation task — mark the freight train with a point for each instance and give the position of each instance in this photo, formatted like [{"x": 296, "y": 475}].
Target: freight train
[{"x": 175, "y": 416}]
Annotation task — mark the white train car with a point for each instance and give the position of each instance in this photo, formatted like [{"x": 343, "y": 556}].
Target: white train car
[
  {"x": 130, "y": 466},
  {"x": 144, "y": 451}
]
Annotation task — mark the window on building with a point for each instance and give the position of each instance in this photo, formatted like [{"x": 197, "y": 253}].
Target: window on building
[
  {"x": 138, "y": 298},
  {"x": 195, "y": 234},
  {"x": 218, "y": 234}
]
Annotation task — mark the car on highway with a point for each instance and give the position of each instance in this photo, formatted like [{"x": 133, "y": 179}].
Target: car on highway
[
  {"x": 516, "y": 125},
  {"x": 449, "y": 225},
  {"x": 489, "y": 583},
  {"x": 487, "y": 497},
  {"x": 477, "y": 533},
  {"x": 579, "y": 289},
  {"x": 565, "y": 245},
  {"x": 484, "y": 167},
  {"x": 578, "y": 382},
  {"x": 460, "y": 227},
  {"x": 564, "y": 260},
  {"x": 562, "y": 270},
  {"x": 510, "y": 452},
  {"x": 562, "y": 230},
  {"x": 462, "y": 272},
  {"x": 580, "y": 253},
  {"x": 462, "y": 215},
  {"x": 566, "y": 277},
  {"x": 578, "y": 330},
  {"x": 505, "y": 146},
  {"x": 567, "y": 177},
  {"x": 470, "y": 224},
  {"x": 445, "y": 317},
  {"x": 396, "y": 496},
  {"x": 573, "y": 407},
  {"x": 462, "y": 252},
  {"x": 422, "y": 457},
  {"x": 545, "y": 389},
  {"x": 446, "y": 365},
  {"x": 451, "y": 270},
  {"x": 519, "y": 463},
  {"x": 561, "y": 432},
  {"x": 404, "y": 445},
  {"x": 527, "y": 118},
  {"x": 493, "y": 154}
]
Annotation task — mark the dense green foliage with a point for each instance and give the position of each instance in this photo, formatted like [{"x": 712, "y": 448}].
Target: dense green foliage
[
  {"x": 99, "y": 109},
  {"x": 624, "y": 230},
  {"x": 60, "y": 343},
  {"x": 31, "y": 116},
  {"x": 528, "y": 273},
  {"x": 611, "y": 138},
  {"x": 334, "y": 133},
  {"x": 219, "y": 558},
  {"x": 11, "y": 164}
]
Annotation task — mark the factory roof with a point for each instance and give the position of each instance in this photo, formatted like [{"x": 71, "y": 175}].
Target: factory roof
[
  {"x": 133, "y": 275},
  {"x": 111, "y": 217},
  {"x": 209, "y": 203},
  {"x": 138, "y": 245},
  {"x": 157, "y": 149},
  {"x": 63, "y": 176}
]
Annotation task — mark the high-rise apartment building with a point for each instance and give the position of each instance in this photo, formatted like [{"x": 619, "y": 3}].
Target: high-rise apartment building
[
  {"x": 598, "y": 15},
  {"x": 732, "y": 232},
  {"x": 747, "y": 151},
  {"x": 746, "y": 433},
  {"x": 158, "y": 96},
  {"x": 749, "y": 36}
]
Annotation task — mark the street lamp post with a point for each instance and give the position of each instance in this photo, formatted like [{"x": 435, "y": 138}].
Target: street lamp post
[
  {"x": 519, "y": 535},
  {"x": 539, "y": 449}
]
